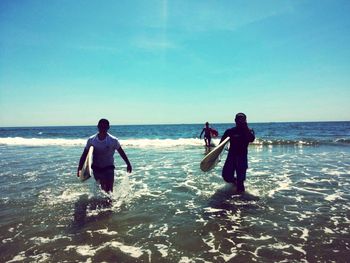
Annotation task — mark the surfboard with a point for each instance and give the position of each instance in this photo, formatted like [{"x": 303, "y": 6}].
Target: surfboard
[
  {"x": 214, "y": 133},
  {"x": 211, "y": 159},
  {"x": 86, "y": 171}
]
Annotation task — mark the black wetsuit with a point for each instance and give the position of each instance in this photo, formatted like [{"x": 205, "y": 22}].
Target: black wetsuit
[
  {"x": 237, "y": 158},
  {"x": 207, "y": 134}
]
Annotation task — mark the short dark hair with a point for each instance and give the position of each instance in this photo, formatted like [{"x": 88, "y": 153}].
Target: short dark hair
[
  {"x": 240, "y": 116},
  {"x": 103, "y": 123}
]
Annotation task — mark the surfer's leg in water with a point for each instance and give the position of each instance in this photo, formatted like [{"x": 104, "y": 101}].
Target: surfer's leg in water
[
  {"x": 206, "y": 142},
  {"x": 241, "y": 174},
  {"x": 209, "y": 141},
  {"x": 228, "y": 172},
  {"x": 106, "y": 179}
]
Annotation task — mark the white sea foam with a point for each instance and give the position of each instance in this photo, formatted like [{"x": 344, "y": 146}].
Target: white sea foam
[
  {"x": 212, "y": 210},
  {"x": 21, "y": 257},
  {"x": 18, "y": 258},
  {"x": 137, "y": 143},
  {"x": 162, "y": 249},
  {"x": 281, "y": 185},
  {"x": 328, "y": 230},
  {"x": 103, "y": 232},
  {"x": 305, "y": 234},
  {"x": 333, "y": 197},
  {"x": 40, "y": 240},
  {"x": 44, "y": 257},
  {"x": 185, "y": 260},
  {"x": 7, "y": 240},
  {"x": 19, "y": 141},
  {"x": 210, "y": 242},
  {"x": 262, "y": 237},
  {"x": 162, "y": 230},
  {"x": 134, "y": 252},
  {"x": 143, "y": 143},
  {"x": 300, "y": 249},
  {"x": 51, "y": 197},
  {"x": 85, "y": 250}
]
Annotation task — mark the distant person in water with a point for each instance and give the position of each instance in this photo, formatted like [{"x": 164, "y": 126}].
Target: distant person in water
[
  {"x": 103, "y": 161},
  {"x": 207, "y": 134},
  {"x": 237, "y": 158}
]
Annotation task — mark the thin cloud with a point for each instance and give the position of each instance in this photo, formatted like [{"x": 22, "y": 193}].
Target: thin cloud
[
  {"x": 207, "y": 16},
  {"x": 154, "y": 44},
  {"x": 98, "y": 48}
]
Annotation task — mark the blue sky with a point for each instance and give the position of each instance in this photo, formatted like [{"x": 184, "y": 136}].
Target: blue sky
[{"x": 147, "y": 62}]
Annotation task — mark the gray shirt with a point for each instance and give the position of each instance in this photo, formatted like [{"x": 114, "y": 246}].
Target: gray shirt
[{"x": 103, "y": 150}]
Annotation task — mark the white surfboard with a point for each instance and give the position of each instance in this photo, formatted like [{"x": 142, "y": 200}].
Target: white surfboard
[
  {"x": 212, "y": 158},
  {"x": 86, "y": 171}
]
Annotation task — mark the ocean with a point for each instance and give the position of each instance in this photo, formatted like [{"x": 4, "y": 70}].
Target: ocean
[{"x": 296, "y": 207}]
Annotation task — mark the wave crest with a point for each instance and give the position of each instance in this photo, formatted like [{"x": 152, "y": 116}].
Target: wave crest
[
  {"x": 161, "y": 143},
  {"x": 19, "y": 141}
]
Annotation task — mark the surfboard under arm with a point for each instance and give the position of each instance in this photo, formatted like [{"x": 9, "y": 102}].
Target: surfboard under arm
[
  {"x": 86, "y": 171},
  {"x": 211, "y": 159}
]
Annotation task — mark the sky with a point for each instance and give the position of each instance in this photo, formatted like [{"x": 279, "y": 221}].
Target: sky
[{"x": 181, "y": 61}]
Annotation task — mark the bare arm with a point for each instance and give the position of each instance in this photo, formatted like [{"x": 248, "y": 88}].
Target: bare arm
[
  {"x": 125, "y": 158},
  {"x": 200, "y": 136},
  {"x": 81, "y": 161}
]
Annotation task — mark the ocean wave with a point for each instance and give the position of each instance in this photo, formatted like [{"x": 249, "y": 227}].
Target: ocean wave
[
  {"x": 160, "y": 143},
  {"x": 19, "y": 141},
  {"x": 285, "y": 142},
  {"x": 302, "y": 142},
  {"x": 343, "y": 140}
]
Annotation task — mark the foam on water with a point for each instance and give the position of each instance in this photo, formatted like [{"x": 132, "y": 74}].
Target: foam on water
[
  {"x": 139, "y": 143},
  {"x": 146, "y": 143},
  {"x": 16, "y": 141}
]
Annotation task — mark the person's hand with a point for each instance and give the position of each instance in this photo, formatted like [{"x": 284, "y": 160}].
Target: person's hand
[
  {"x": 129, "y": 168},
  {"x": 78, "y": 173}
]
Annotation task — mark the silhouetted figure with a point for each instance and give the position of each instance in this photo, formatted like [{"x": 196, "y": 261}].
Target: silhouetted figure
[
  {"x": 103, "y": 161},
  {"x": 237, "y": 158},
  {"x": 207, "y": 134}
]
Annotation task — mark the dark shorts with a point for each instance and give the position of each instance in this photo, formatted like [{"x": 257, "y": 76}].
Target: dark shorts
[
  {"x": 104, "y": 174},
  {"x": 235, "y": 165}
]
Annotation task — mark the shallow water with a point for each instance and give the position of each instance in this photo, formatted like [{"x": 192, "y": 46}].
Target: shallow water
[{"x": 296, "y": 207}]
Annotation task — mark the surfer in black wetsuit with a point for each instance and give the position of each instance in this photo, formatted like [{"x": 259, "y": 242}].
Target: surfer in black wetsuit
[
  {"x": 207, "y": 134},
  {"x": 237, "y": 158}
]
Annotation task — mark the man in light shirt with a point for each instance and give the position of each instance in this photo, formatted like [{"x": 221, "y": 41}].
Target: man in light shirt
[{"x": 104, "y": 145}]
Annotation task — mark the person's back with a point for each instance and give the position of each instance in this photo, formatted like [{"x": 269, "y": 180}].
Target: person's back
[
  {"x": 239, "y": 140},
  {"x": 237, "y": 158}
]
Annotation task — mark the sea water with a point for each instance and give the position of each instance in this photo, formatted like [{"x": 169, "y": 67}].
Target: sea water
[{"x": 296, "y": 208}]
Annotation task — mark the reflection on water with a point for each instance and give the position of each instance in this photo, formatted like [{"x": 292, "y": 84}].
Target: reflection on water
[
  {"x": 295, "y": 208},
  {"x": 96, "y": 207}
]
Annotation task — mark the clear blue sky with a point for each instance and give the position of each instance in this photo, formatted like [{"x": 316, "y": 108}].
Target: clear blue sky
[{"x": 181, "y": 61}]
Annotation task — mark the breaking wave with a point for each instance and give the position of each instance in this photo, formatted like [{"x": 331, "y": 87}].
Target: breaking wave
[{"x": 159, "y": 143}]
